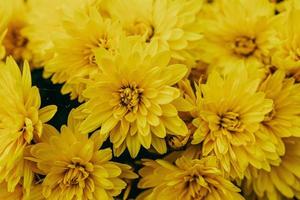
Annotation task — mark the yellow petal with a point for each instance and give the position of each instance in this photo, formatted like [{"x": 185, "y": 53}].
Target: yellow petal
[
  {"x": 46, "y": 113},
  {"x": 133, "y": 145}
]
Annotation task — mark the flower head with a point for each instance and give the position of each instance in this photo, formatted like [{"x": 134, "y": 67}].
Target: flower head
[
  {"x": 287, "y": 54},
  {"x": 21, "y": 123},
  {"x": 240, "y": 32},
  {"x": 284, "y": 117},
  {"x": 283, "y": 180},
  {"x": 75, "y": 168},
  {"x": 133, "y": 99},
  {"x": 20, "y": 194},
  {"x": 13, "y": 22},
  {"x": 43, "y": 17},
  {"x": 232, "y": 109},
  {"x": 84, "y": 32},
  {"x": 185, "y": 179},
  {"x": 169, "y": 24}
]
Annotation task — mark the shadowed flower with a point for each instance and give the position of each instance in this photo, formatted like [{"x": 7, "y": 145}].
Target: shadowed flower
[{"x": 13, "y": 22}]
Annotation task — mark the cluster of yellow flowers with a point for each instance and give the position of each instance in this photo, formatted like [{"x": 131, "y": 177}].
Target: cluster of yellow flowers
[{"x": 203, "y": 97}]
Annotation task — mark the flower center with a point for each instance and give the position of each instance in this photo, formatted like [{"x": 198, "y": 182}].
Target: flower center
[
  {"x": 244, "y": 46},
  {"x": 270, "y": 116},
  {"x": 103, "y": 42},
  {"x": 295, "y": 54},
  {"x": 231, "y": 122},
  {"x": 196, "y": 186},
  {"x": 31, "y": 126},
  {"x": 130, "y": 96},
  {"x": 14, "y": 42},
  {"x": 141, "y": 28},
  {"x": 77, "y": 173},
  {"x": 28, "y": 130}
]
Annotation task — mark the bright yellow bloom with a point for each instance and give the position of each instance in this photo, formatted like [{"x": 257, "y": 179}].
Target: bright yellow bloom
[
  {"x": 18, "y": 194},
  {"x": 45, "y": 22},
  {"x": 133, "y": 100},
  {"x": 5, "y": 12},
  {"x": 239, "y": 32},
  {"x": 21, "y": 122},
  {"x": 287, "y": 54},
  {"x": 186, "y": 179},
  {"x": 284, "y": 119},
  {"x": 75, "y": 168},
  {"x": 15, "y": 19},
  {"x": 284, "y": 5},
  {"x": 232, "y": 110},
  {"x": 74, "y": 58},
  {"x": 283, "y": 181},
  {"x": 169, "y": 24}
]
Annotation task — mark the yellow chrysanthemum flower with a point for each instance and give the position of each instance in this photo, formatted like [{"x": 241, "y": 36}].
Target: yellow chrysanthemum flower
[
  {"x": 187, "y": 179},
  {"x": 5, "y": 12},
  {"x": 239, "y": 32},
  {"x": 133, "y": 100},
  {"x": 13, "y": 40},
  {"x": 284, "y": 119},
  {"x": 43, "y": 18},
  {"x": 74, "y": 58},
  {"x": 75, "y": 168},
  {"x": 283, "y": 181},
  {"x": 21, "y": 122},
  {"x": 282, "y": 5},
  {"x": 230, "y": 112},
  {"x": 19, "y": 194},
  {"x": 287, "y": 54},
  {"x": 169, "y": 24}
]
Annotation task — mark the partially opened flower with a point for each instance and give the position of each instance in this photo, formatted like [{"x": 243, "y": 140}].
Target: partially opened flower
[
  {"x": 21, "y": 123},
  {"x": 133, "y": 99},
  {"x": 75, "y": 168},
  {"x": 233, "y": 110},
  {"x": 186, "y": 179}
]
